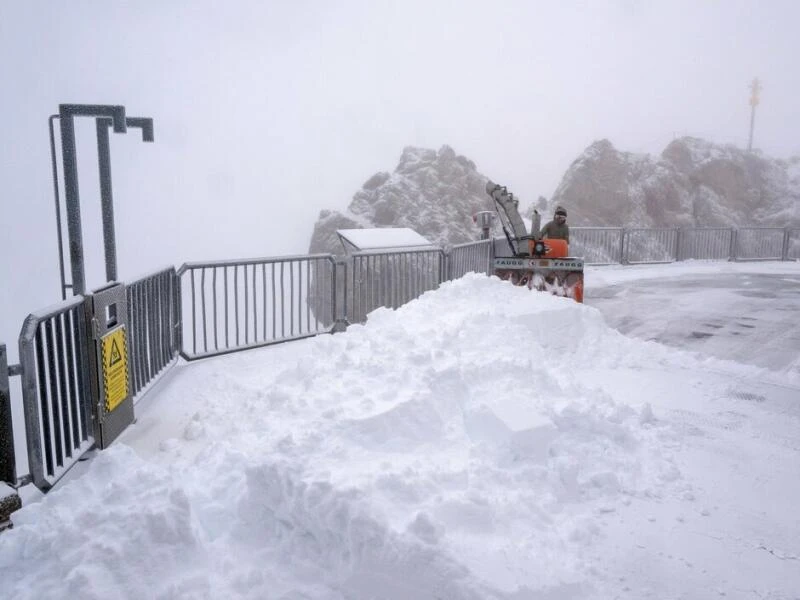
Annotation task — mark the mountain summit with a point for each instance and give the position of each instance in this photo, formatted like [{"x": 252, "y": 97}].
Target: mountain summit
[
  {"x": 433, "y": 193},
  {"x": 693, "y": 183}
]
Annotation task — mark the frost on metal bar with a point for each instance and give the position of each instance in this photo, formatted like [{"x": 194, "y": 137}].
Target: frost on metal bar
[
  {"x": 390, "y": 279},
  {"x": 56, "y": 392},
  {"x": 598, "y": 245},
  {"x": 472, "y": 257},
  {"x": 235, "y": 305},
  {"x": 154, "y": 327}
]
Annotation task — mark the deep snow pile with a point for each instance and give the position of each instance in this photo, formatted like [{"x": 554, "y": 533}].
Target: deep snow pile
[{"x": 471, "y": 444}]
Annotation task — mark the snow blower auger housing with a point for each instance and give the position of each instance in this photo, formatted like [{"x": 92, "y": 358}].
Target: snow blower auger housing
[{"x": 539, "y": 264}]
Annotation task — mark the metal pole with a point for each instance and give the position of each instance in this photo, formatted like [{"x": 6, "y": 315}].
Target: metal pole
[
  {"x": 8, "y": 463},
  {"x": 67, "y": 113},
  {"x": 64, "y": 285},
  {"x": 106, "y": 197}
]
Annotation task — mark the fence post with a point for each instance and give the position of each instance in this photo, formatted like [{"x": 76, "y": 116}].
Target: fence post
[
  {"x": 732, "y": 251},
  {"x": 623, "y": 260},
  {"x": 678, "y": 243},
  {"x": 339, "y": 289},
  {"x": 8, "y": 464},
  {"x": 785, "y": 248}
]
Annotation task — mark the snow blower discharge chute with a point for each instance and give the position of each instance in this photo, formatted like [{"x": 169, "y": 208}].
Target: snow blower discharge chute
[{"x": 540, "y": 264}]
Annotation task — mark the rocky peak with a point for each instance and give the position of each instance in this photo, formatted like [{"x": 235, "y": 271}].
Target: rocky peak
[
  {"x": 433, "y": 192},
  {"x": 693, "y": 182}
]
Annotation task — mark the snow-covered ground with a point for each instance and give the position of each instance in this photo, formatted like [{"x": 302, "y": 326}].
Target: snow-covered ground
[{"x": 480, "y": 442}]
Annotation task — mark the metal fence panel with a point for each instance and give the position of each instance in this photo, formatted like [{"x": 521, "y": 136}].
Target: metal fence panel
[
  {"x": 792, "y": 249},
  {"x": 153, "y": 324},
  {"x": 472, "y": 257},
  {"x": 597, "y": 245},
  {"x": 650, "y": 245},
  {"x": 229, "y": 306},
  {"x": 54, "y": 353},
  {"x": 390, "y": 279},
  {"x": 759, "y": 243},
  {"x": 711, "y": 243}
]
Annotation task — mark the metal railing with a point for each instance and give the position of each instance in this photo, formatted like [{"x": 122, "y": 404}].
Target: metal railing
[
  {"x": 472, "y": 257},
  {"x": 759, "y": 243},
  {"x": 233, "y": 305},
  {"x": 597, "y": 245},
  {"x": 153, "y": 327},
  {"x": 54, "y": 349},
  {"x": 792, "y": 246},
  {"x": 709, "y": 243},
  {"x": 390, "y": 279},
  {"x": 650, "y": 246}
]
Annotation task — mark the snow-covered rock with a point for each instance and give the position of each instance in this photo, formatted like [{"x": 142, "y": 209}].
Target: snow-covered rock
[
  {"x": 433, "y": 192},
  {"x": 693, "y": 183}
]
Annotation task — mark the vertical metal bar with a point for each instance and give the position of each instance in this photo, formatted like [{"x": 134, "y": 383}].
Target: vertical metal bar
[
  {"x": 8, "y": 459},
  {"x": 44, "y": 405},
  {"x": 308, "y": 293},
  {"x": 65, "y": 425},
  {"x": 194, "y": 320},
  {"x": 71, "y": 371},
  {"x": 732, "y": 249},
  {"x": 68, "y": 153},
  {"x": 274, "y": 303},
  {"x": 84, "y": 342},
  {"x": 76, "y": 391},
  {"x": 214, "y": 305},
  {"x": 291, "y": 297},
  {"x": 55, "y": 404},
  {"x": 225, "y": 278},
  {"x": 163, "y": 281},
  {"x": 203, "y": 308},
  {"x": 246, "y": 306},
  {"x": 141, "y": 332},
  {"x": 785, "y": 244},
  {"x": 58, "y": 207},
  {"x": 255, "y": 307},
  {"x": 236, "y": 300},
  {"x": 106, "y": 201},
  {"x": 283, "y": 300},
  {"x": 264, "y": 294}
]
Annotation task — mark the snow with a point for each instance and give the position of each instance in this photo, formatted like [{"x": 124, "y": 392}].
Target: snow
[
  {"x": 482, "y": 441},
  {"x": 384, "y": 237}
]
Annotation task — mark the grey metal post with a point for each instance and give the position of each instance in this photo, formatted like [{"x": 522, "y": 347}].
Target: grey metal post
[
  {"x": 106, "y": 198},
  {"x": 622, "y": 258},
  {"x": 64, "y": 285},
  {"x": 67, "y": 113},
  {"x": 8, "y": 462},
  {"x": 678, "y": 243},
  {"x": 785, "y": 249},
  {"x": 732, "y": 251}
]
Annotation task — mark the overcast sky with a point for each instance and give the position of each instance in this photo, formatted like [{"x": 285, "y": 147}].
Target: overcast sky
[{"x": 266, "y": 112}]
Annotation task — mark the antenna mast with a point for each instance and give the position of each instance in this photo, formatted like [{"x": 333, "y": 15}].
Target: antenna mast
[{"x": 755, "y": 88}]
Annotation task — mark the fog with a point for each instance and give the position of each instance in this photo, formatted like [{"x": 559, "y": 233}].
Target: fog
[{"x": 267, "y": 112}]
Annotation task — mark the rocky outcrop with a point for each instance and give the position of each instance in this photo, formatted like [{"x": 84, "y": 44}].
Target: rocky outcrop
[
  {"x": 433, "y": 192},
  {"x": 693, "y": 183}
]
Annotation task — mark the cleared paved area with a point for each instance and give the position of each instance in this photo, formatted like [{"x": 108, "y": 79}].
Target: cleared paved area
[{"x": 751, "y": 318}]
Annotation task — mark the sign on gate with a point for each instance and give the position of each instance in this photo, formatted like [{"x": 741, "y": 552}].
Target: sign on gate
[
  {"x": 114, "y": 408},
  {"x": 115, "y": 368}
]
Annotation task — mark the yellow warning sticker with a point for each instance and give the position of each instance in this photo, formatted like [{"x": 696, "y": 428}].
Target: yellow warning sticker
[{"x": 115, "y": 368}]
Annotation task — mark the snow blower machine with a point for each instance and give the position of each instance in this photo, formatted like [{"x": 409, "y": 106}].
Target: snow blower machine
[{"x": 540, "y": 264}]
